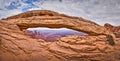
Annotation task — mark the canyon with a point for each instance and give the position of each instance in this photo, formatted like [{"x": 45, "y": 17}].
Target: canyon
[{"x": 51, "y": 34}]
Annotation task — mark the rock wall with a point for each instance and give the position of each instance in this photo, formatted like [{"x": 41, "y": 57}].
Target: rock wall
[
  {"x": 114, "y": 29},
  {"x": 16, "y": 46}
]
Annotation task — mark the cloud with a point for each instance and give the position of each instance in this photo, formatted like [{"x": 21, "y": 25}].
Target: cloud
[
  {"x": 13, "y": 7},
  {"x": 5, "y": 3},
  {"x": 101, "y": 12},
  {"x": 7, "y": 13}
]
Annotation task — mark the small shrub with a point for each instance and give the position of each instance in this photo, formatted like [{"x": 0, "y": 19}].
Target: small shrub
[{"x": 110, "y": 39}]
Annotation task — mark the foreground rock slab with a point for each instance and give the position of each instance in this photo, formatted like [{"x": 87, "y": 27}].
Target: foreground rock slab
[{"x": 15, "y": 45}]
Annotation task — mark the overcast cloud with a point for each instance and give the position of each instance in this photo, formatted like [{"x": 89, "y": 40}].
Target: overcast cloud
[{"x": 99, "y": 11}]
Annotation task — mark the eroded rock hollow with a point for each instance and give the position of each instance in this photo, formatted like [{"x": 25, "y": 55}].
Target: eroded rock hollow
[{"x": 15, "y": 45}]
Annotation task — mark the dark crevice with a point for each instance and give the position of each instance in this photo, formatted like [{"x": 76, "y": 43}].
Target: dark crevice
[{"x": 117, "y": 35}]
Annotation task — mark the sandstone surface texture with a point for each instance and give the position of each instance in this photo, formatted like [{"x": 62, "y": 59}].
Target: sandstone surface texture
[
  {"x": 15, "y": 45},
  {"x": 114, "y": 29}
]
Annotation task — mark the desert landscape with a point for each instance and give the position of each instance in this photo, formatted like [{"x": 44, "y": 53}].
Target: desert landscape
[
  {"x": 76, "y": 38},
  {"x": 51, "y": 34}
]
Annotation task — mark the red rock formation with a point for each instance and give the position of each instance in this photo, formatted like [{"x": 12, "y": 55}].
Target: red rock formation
[
  {"x": 114, "y": 29},
  {"x": 16, "y": 46}
]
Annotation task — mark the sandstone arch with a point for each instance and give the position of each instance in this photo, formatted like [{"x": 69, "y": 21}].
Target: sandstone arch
[{"x": 19, "y": 47}]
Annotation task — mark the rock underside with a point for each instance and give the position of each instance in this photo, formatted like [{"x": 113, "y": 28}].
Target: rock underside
[{"x": 100, "y": 45}]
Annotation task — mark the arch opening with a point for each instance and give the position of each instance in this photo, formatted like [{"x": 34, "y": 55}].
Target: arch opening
[{"x": 51, "y": 34}]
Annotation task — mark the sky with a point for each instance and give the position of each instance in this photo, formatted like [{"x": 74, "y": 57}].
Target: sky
[{"x": 99, "y": 11}]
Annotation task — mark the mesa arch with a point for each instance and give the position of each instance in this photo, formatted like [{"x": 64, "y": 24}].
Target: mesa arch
[
  {"x": 15, "y": 45},
  {"x": 46, "y": 18}
]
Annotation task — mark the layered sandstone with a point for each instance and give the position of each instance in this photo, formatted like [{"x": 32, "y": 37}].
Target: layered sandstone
[
  {"x": 114, "y": 29},
  {"x": 15, "y": 45}
]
